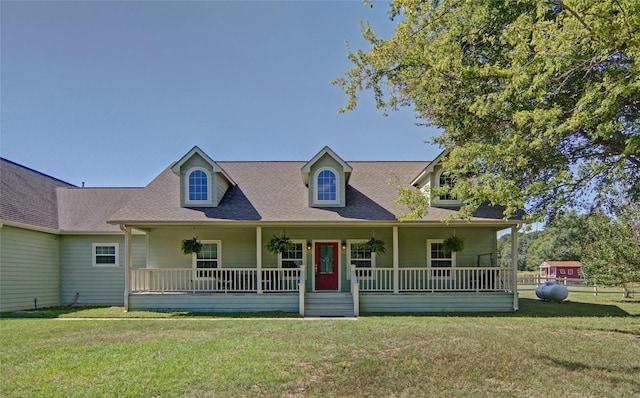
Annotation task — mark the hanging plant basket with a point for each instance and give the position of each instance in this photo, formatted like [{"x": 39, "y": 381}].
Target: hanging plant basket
[
  {"x": 452, "y": 244},
  {"x": 376, "y": 245},
  {"x": 191, "y": 246},
  {"x": 279, "y": 244}
]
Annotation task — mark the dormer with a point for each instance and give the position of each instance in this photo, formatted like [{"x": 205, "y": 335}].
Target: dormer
[
  {"x": 435, "y": 176},
  {"x": 326, "y": 175},
  {"x": 202, "y": 182}
]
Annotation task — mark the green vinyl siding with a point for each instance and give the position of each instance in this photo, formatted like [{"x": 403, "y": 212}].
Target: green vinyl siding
[
  {"x": 95, "y": 285},
  {"x": 238, "y": 246},
  {"x": 220, "y": 188},
  {"x": 477, "y": 240},
  {"x": 29, "y": 269}
]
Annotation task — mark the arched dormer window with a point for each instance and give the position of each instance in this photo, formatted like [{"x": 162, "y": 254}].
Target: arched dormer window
[
  {"x": 445, "y": 180},
  {"x": 198, "y": 186},
  {"x": 327, "y": 186}
]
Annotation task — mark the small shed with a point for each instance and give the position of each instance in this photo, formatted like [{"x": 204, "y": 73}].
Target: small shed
[{"x": 561, "y": 270}]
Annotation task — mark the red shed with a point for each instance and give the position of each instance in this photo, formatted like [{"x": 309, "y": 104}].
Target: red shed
[{"x": 561, "y": 269}]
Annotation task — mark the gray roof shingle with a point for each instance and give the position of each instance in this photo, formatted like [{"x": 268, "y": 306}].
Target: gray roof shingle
[
  {"x": 275, "y": 192},
  {"x": 28, "y": 196},
  {"x": 88, "y": 209}
]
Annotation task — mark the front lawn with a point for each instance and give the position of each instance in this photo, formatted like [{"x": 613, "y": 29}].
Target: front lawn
[{"x": 581, "y": 348}]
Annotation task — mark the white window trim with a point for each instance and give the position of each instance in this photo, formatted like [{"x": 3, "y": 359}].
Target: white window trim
[
  {"x": 304, "y": 252},
  {"x": 188, "y": 201},
  {"x": 94, "y": 255},
  {"x": 437, "y": 198},
  {"x": 429, "y": 259},
  {"x": 317, "y": 201},
  {"x": 373, "y": 258},
  {"x": 194, "y": 258}
]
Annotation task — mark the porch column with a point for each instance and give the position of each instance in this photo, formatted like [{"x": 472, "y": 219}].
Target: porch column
[
  {"x": 514, "y": 265},
  {"x": 259, "y": 258},
  {"x": 396, "y": 262},
  {"x": 127, "y": 264}
]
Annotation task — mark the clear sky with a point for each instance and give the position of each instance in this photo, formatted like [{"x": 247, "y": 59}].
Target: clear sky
[{"x": 110, "y": 93}]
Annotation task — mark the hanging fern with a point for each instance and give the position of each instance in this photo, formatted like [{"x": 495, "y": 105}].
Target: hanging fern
[
  {"x": 452, "y": 244},
  {"x": 191, "y": 246},
  {"x": 279, "y": 244},
  {"x": 376, "y": 245}
]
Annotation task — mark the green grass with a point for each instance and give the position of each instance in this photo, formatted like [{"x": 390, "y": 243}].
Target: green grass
[{"x": 586, "y": 347}]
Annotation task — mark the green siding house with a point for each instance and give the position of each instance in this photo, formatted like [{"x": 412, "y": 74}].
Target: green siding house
[{"x": 64, "y": 245}]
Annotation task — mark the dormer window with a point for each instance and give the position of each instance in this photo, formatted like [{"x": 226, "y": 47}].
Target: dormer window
[
  {"x": 327, "y": 177},
  {"x": 327, "y": 186},
  {"x": 446, "y": 181},
  {"x": 198, "y": 186}
]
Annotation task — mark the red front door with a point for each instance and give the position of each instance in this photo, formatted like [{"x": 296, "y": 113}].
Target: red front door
[{"x": 326, "y": 263}]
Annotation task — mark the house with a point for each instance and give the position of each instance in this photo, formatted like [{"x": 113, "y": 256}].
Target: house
[
  {"x": 65, "y": 245},
  {"x": 561, "y": 270}
]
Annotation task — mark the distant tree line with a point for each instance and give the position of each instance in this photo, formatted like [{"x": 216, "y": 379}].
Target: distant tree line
[{"x": 606, "y": 243}]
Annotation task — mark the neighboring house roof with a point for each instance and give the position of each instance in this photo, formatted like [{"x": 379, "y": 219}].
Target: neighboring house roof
[
  {"x": 83, "y": 210},
  {"x": 273, "y": 192},
  {"x": 565, "y": 264},
  {"x": 28, "y": 196}
]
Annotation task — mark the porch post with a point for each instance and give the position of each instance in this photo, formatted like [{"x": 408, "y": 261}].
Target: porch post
[
  {"x": 514, "y": 265},
  {"x": 259, "y": 258},
  {"x": 127, "y": 264},
  {"x": 396, "y": 262}
]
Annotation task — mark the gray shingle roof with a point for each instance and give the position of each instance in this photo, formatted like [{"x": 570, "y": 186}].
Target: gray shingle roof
[
  {"x": 28, "y": 196},
  {"x": 88, "y": 209},
  {"x": 275, "y": 192}
]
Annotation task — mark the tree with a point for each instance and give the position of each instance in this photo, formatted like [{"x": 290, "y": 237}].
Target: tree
[
  {"x": 561, "y": 240},
  {"x": 539, "y": 100},
  {"x": 612, "y": 248},
  {"x": 524, "y": 242}
]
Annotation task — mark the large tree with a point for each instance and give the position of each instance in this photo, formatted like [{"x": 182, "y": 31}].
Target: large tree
[
  {"x": 612, "y": 248},
  {"x": 538, "y": 100},
  {"x": 561, "y": 240},
  {"x": 524, "y": 242}
]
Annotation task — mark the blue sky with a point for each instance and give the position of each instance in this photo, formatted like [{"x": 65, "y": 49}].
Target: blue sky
[{"x": 110, "y": 93}]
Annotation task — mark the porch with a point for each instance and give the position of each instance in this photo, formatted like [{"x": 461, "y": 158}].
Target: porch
[{"x": 372, "y": 290}]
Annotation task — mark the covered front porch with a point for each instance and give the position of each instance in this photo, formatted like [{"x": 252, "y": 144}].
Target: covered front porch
[
  {"x": 401, "y": 290},
  {"x": 387, "y": 284}
]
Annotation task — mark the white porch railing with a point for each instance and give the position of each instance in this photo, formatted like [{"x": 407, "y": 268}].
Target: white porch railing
[
  {"x": 425, "y": 279},
  {"x": 227, "y": 280}
]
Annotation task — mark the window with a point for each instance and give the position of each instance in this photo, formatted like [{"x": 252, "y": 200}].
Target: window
[
  {"x": 360, "y": 256},
  {"x": 445, "y": 181},
  {"x": 198, "y": 186},
  {"x": 570, "y": 271},
  {"x": 562, "y": 270},
  {"x": 294, "y": 256},
  {"x": 436, "y": 258},
  {"x": 105, "y": 254},
  {"x": 207, "y": 259},
  {"x": 326, "y": 186}
]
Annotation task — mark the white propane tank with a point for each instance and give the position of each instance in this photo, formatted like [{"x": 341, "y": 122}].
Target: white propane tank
[{"x": 550, "y": 291}]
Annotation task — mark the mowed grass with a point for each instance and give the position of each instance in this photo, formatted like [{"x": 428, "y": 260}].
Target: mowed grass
[{"x": 588, "y": 347}]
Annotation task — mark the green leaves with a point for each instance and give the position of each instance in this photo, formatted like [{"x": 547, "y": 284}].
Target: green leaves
[
  {"x": 539, "y": 100},
  {"x": 279, "y": 244}
]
